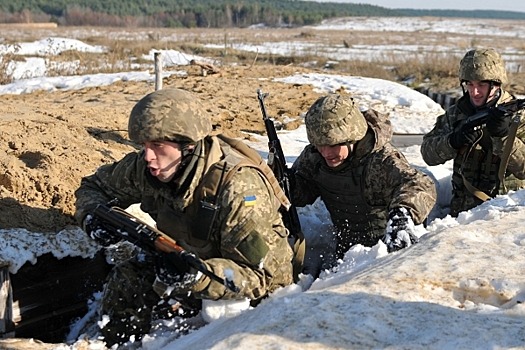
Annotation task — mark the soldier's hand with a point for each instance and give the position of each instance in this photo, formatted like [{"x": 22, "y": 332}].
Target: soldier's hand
[
  {"x": 400, "y": 230},
  {"x": 498, "y": 124},
  {"x": 98, "y": 233},
  {"x": 461, "y": 137},
  {"x": 173, "y": 271}
]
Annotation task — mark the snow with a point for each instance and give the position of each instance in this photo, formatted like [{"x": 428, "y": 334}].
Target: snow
[{"x": 461, "y": 287}]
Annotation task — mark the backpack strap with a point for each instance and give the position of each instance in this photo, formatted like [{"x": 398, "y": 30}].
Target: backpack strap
[
  {"x": 507, "y": 149},
  {"x": 254, "y": 160}
]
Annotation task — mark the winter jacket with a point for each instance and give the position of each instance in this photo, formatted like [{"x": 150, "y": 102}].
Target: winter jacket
[
  {"x": 478, "y": 165},
  {"x": 247, "y": 239},
  {"x": 360, "y": 192}
]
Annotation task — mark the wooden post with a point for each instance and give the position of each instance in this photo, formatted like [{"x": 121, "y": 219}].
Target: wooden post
[
  {"x": 158, "y": 70},
  {"x": 6, "y": 304}
]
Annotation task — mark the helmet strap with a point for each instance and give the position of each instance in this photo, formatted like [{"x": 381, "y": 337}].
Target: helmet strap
[
  {"x": 463, "y": 88},
  {"x": 491, "y": 86},
  {"x": 496, "y": 97},
  {"x": 187, "y": 148},
  {"x": 350, "y": 146}
]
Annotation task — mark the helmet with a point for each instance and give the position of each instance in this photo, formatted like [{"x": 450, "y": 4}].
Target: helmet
[
  {"x": 483, "y": 64},
  {"x": 334, "y": 119},
  {"x": 169, "y": 115}
]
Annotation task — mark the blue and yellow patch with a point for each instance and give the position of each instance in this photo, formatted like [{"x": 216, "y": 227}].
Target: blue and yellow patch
[{"x": 250, "y": 201}]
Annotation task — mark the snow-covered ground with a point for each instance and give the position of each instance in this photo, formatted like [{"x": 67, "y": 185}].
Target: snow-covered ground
[{"x": 461, "y": 287}]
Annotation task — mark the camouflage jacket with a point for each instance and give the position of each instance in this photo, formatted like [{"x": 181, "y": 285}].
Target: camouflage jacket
[
  {"x": 385, "y": 180},
  {"x": 479, "y": 164},
  {"x": 247, "y": 239}
]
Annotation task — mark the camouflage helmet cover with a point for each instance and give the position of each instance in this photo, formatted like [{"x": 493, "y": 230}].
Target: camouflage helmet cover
[
  {"x": 169, "y": 115},
  {"x": 334, "y": 119},
  {"x": 482, "y": 64}
]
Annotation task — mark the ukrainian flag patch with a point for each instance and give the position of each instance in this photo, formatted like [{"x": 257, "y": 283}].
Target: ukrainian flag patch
[{"x": 249, "y": 201}]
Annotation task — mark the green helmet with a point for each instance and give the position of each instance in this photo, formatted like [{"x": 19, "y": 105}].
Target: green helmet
[
  {"x": 169, "y": 115},
  {"x": 482, "y": 64},
  {"x": 334, "y": 119}
]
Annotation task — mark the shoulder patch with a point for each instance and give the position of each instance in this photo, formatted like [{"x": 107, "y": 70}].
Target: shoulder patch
[{"x": 250, "y": 201}]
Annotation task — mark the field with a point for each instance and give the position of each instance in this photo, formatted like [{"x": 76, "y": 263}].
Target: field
[{"x": 49, "y": 140}]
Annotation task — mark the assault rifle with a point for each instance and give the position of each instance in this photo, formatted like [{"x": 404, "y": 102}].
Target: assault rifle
[
  {"x": 277, "y": 163},
  {"x": 481, "y": 118},
  {"x": 127, "y": 227}
]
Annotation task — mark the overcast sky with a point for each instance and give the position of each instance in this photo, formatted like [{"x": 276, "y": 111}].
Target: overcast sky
[{"x": 504, "y": 5}]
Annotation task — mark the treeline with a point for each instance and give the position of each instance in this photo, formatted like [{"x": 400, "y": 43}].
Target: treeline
[
  {"x": 182, "y": 13},
  {"x": 207, "y": 13},
  {"x": 464, "y": 13}
]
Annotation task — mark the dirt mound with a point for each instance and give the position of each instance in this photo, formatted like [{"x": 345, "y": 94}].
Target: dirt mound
[{"x": 50, "y": 140}]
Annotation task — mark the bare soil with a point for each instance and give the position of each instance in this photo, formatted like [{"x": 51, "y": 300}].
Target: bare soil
[{"x": 49, "y": 141}]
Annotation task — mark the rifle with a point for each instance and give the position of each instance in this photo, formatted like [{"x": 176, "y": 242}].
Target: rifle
[
  {"x": 481, "y": 118},
  {"x": 277, "y": 163},
  {"x": 125, "y": 226}
]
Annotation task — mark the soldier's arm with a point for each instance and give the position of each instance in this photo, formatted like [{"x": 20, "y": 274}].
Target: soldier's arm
[
  {"x": 410, "y": 188},
  {"x": 516, "y": 164},
  {"x": 254, "y": 249},
  {"x": 111, "y": 181},
  {"x": 435, "y": 148}
]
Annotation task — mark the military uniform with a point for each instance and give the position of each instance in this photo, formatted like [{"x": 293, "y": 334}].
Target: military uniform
[
  {"x": 479, "y": 164},
  {"x": 374, "y": 179},
  {"x": 476, "y": 166},
  {"x": 244, "y": 238}
]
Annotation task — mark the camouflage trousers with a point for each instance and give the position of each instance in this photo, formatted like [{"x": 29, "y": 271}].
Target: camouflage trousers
[
  {"x": 128, "y": 300},
  {"x": 463, "y": 201}
]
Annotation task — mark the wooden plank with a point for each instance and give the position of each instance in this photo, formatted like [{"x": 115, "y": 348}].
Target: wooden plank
[{"x": 7, "y": 325}]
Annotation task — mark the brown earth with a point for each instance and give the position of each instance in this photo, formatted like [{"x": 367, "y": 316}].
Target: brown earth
[{"x": 50, "y": 140}]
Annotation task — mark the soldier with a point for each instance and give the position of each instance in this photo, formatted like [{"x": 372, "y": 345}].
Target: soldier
[
  {"x": 179, "y": 169},
  {"x": 363, "y": 180},
  {"x": 488, "y": 160}
]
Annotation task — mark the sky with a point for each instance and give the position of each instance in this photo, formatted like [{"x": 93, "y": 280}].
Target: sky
[
  {"x": 461, "y": 287},
  {"x": 502, "y": 5}
]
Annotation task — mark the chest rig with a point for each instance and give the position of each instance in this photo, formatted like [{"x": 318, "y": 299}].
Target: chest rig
[
  {"x": 194, "y": 224},
  {"x": 343, "y": 193}
]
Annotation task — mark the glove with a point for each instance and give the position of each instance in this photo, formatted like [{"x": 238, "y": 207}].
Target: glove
[
  {"x": 400, "y": 230},
  {"x": 462, "y": 137},
  {"x": 172, "y": 270},
  {"x": 498, "y": 124},
  {"x": 98, "y": 233}
]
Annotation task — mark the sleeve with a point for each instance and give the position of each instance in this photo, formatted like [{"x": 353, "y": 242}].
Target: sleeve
[
  {"x": 408, "y": 187},
  {"x": 120, "y": 180},
  {"x": 435, "y": 148},
  {"x": 254, "y": 248},
  {"x": 305, "y": 190},
  {"x": 516, "y": 164}
]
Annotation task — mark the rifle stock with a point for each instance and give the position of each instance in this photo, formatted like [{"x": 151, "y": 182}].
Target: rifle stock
[
  {"x": 127, "y": 227},
  {"x": 481, "y": 118}
]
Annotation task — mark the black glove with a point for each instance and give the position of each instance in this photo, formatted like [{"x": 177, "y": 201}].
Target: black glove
[
  {"x": 173, "y": 271},
  {"x": 400, "y": 230},
  {"x": 97, "y": 232},
  {"x": 498, "y": 124},
  {"x": 461, "y": 137}
]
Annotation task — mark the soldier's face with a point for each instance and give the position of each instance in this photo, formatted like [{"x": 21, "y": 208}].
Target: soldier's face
[
  {"x": 163, "y": 158},
  {"x": 334, "y": 155},
  {"x": 480, "y": 92}
]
